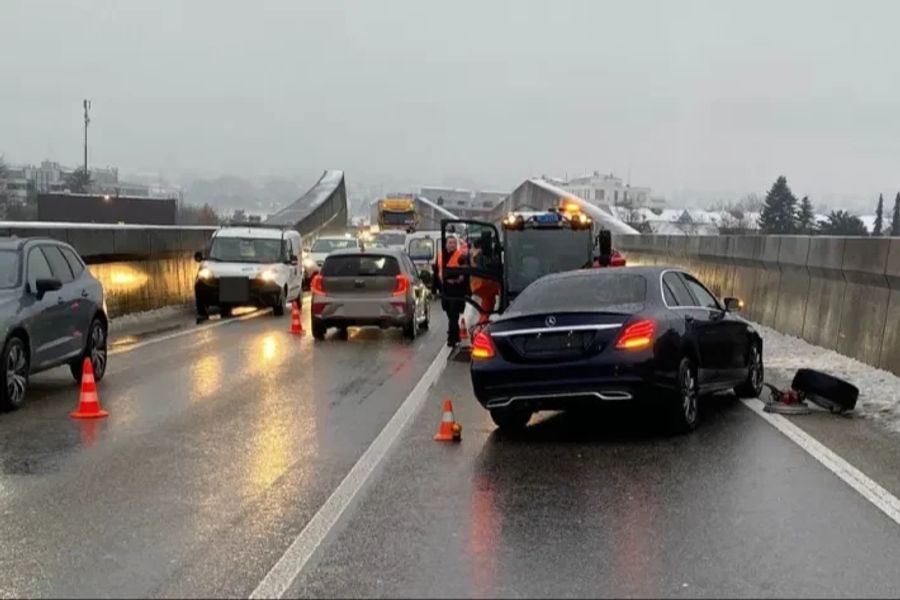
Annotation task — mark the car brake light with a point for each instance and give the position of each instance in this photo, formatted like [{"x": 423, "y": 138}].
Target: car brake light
[
  {"x": 482, "y": 346},
  {"x": 637, "y": 335},
  {"x": 402, "y": 285},
  {"x": 317, "y": 285}
]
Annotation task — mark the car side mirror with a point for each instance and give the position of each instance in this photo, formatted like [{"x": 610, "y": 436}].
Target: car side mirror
[
  {"x": 293, "y": 260},
  {"x": 734, "y": 304},
  {"x": 42, "y": 286},
  {"x": 198, "y": 256}
]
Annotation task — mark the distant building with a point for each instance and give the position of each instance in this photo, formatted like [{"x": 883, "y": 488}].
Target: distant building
[
  {"x": 607, "y": 190},
  {"x": 465, "y": 204}
]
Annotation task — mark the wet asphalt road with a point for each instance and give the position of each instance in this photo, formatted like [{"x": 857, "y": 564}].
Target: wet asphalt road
[
  {"x": 222, "y": 444},
  {"x": 605, "y": 504},
  {"x": 219, "y": 448}
]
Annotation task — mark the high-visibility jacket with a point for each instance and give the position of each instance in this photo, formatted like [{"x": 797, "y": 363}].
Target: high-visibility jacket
[{"x": 452, "y": 262}]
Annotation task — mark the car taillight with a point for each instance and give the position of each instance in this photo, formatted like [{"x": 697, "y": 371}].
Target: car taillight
[
  {"x": 482, "y": 346},
  {"x": 637, "y": 335},
  {"x": 317, "y": 285},
  {"x": 402, "y": 285}
]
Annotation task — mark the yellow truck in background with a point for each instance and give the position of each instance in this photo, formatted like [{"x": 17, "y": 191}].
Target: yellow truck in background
[{"x": 396, "y": 212}]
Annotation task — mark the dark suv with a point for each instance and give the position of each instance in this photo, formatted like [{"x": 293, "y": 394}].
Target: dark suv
[{"x": 52, "y": 313}]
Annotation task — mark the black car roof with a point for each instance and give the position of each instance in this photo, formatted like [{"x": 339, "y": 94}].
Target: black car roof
[{"x": 648, "y": 272}]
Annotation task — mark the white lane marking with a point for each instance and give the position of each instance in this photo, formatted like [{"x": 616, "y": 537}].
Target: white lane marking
[
  {"x": 178, "y": 334},
  {"x": 289, "y": 566},
  {"x": 885, "y": 501}
]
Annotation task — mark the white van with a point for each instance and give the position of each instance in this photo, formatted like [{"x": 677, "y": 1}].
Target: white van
[
  {"x": 422, "y": 246},
  {"x": 249, "y": 265}
]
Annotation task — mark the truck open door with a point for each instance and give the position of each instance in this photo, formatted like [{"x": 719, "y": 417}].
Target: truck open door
[{"x": 480, "y": 264}]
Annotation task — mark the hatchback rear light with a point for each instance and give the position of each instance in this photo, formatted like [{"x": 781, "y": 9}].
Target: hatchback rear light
[
  {"x": 317, "y": 285},
  {"x": 637, "y": 335},
  {"x": 483, "y": 346},
  {"x": 402, "y": 285}
]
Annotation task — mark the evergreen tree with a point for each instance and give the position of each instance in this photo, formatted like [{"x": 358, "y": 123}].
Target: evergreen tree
[
  {"x": 779, "y": 213},
  {"x": 843, "y": 223},
  {"x": 79, "y": 181},
  {"x": 895, "y": 222},
  {"x": 806, "y": 218},
  {"x": 879, "y": 217}
]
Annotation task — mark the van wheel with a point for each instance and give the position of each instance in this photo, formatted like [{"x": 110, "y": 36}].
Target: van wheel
[
  {"x": 278, "y": 307},
  {"x": 225, "y": 312},
  {"x": 13, "y": 374},
  {"x": 318, "y": 330}
]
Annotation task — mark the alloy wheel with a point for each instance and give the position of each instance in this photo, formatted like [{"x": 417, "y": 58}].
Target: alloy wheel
[{"x": 16, "y": 375}]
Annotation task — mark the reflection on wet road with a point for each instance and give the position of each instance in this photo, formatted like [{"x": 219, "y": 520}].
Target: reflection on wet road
[
  {"x": 605, "y": 504},
  {"x": 219, "y": 446}
]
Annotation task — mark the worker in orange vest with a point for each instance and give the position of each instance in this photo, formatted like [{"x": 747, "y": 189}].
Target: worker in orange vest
[
  {"x": 454, "y": 290},
  {"x": 487, "y": 290}
]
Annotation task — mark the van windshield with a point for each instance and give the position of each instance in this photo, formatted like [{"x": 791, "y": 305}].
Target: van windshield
[{"x": 249, "y": 250}]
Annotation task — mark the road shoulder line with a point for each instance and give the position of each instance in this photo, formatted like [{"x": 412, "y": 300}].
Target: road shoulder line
[
  {"x": 279, "y": 579},
  {"x": 885, "y": 501}
]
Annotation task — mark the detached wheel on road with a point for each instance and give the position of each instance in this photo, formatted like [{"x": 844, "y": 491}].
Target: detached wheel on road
[
  {"x": 753, "y": 386},
  {"x": 826, "y": 390},
  {"x": 14, "y": 374},
  {"x": 96, "y": 350},
  {"x": 318, "y": 330},
  {"x": 509, "y": 419},
  {"x": 685, "y": 409}
]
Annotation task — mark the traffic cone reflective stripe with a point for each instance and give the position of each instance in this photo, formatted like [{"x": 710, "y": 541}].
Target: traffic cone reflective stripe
[
  {"x": 449, "y": 430},
  {"x": 88, "y": 401},
  {"x": 296, "y": 323},
  {"x": 463, "y": 329}
]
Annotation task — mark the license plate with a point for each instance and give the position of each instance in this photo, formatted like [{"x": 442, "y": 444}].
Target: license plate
[{"x": 234, "y": 290}]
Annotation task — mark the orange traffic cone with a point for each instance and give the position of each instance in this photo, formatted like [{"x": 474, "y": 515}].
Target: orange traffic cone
[
  {"x": 296, "y": 323},
  {"x": 449, "y": 430},
  {"x": 463, "y": 330},
  {"x": 88, "y": 402}
]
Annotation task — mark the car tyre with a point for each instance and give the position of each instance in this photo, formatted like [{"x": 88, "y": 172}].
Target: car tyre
[
  {"x": 225, "y": 311},
  {"x": 753, "y": 386},
  {"x": 685, "y": 408},
  {"x": 343, "y": 333},
  {"x": 510, "y": 420},
  {"x": 318, "y": 330},
  {"x": 410, "y": 329},
  {"x": 827, "y": 391},
  {"x": 202, "y": 311},
  {"x": 278, "y": 307},
  {"x": 96, "y": 350},
  {"x": 427, "y": 320},
  {"x": 14, "y": 374}
]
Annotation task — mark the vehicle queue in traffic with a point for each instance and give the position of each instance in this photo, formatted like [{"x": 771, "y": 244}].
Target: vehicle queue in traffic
[{"x": 553, "y": 328}]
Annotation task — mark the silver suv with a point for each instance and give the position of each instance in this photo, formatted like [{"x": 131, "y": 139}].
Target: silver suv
[{"x": 52, "y": 313}]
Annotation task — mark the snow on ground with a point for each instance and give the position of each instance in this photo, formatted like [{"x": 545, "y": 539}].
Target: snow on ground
[
  {"x": 879, "y": 391},
  {"x": 138, "y": 319}
]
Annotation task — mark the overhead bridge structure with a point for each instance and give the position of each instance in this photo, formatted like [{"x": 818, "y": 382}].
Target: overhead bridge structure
[{"x": 323, "y": 209}]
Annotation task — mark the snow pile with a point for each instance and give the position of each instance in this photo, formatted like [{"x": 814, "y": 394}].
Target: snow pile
[
  {"x": 879, "y": 391},
  {"x": 165, "y": 313}
]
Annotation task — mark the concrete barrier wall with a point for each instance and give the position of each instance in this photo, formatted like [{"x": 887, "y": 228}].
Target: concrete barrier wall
[
  {"x": 141, "y": 267},
  {"x": 839, "y": 293}
]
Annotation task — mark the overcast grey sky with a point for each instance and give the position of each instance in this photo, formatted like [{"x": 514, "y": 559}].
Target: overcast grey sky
[{"x": 700, "y": 96}]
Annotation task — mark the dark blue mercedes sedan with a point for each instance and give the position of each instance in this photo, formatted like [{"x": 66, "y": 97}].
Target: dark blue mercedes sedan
[{"x": 650, "y": 334}]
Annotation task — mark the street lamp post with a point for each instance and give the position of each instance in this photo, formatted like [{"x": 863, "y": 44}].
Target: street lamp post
[{"x": 87, "y": 121}]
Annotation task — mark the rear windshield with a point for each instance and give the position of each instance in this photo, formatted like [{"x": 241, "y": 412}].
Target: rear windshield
[
  {"x": 358, "y": 265},
  {"x": 390, "y": 239},
  {"x": 592, "y": 291},
  {"x": 9, "y": 269},
  {"x": 325, "y": 245}
]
